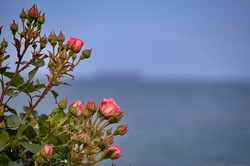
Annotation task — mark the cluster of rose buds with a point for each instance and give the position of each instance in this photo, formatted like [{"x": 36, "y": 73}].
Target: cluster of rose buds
[{"x": 88, "y": 124}]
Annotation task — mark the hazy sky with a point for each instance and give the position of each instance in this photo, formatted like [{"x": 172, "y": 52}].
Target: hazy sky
[{"x": 156, "y": 38}]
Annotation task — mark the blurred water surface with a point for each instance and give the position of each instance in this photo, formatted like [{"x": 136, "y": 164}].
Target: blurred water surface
[{"x": 174, "y": 124}]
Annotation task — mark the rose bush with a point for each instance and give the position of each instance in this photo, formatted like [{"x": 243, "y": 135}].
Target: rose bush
[{"x": 71, "y": 135}]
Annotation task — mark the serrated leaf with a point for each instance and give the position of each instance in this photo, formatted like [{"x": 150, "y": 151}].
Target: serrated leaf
[
  {"x": 3, "y": 69},
  {"x": 32, "y": 147},
  {"x": 17, "y": 81},
  {"x": 55, "y": 94},
  {"x": 13, "y": 121},
  {"x": 38, "y": 62},
  {"x": 32, "y": 73},
  {"x": 4, "y": 139}
]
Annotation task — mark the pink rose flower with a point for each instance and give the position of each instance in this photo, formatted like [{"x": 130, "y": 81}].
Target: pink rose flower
[
  {"x": 75, "y": 44},
  {"x": 109, "y": 107},
  {"x": 47, "y": 151},
  {"x": 76, "y": 108},
  {"x": 115, "y": 152}
]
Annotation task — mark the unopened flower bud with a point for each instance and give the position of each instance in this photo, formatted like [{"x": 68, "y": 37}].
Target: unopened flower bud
[
  {"x": 114, "y": 152},
  {"x": 52, "y": 36},
  {"x": 62, "y": 104},
  {"x": 14, "y": 27},
  {"x": 2, "y": 125},
  {"x": 76, "y": 108},
  {"x": 60, "y": 37},
  {"x": 121, "y": 130},
  {"x": 46, "y": 151},
  {"x": 83, "y": 138},
  {"x": 1, "y": 110},
  {"x": 41, "y": 19},
  {"x": 91, "y": 105},
  {"x": 86, "y": 54},
  {"x": 4, "y": 43},
  {"x": 33, "y": 12},
  {"x": 63, "y": 55},
  {"x": 23, "y": 15}
]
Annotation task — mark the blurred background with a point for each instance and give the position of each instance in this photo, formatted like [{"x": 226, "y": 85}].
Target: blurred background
[{"x": 179, "y": 68}]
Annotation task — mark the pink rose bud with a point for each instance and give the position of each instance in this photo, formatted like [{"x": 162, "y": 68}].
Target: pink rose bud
[
  {"x": 121, "y": 130},
  {"x": 91, "y": 105},
  {"x": 46, "y": 151},
  {"x": 62, "y": 104},
  {"x": 33, "y": 12},
  {"x": 63, "y": 55},
  {"x": 4, "y": 43},
  {"x": 75, "y": 44},
  {"x": 60, "y": 37},
  {"x": 114, "y": 152},
  {"x": 41, "y": 19},
  {"x": 76, "y": 108},
  {"x": 14, "y": 27},
  {"x": 86, "y": 54},
  {"x": 1, "y": 110},
  {"x": 23, "y": 15},
  {"x": 83, "y": 138},
  {"x": 52, "y": 38},
  {"x": 109, "y": 107}
]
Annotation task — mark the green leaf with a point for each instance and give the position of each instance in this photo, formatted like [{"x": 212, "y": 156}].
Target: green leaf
[
  {"x": 35, "y": 114},
  {"x": 4, "y": 139},
  {"x": 31, "y": 133},
  {"x": 38, "y": 62},
  {"x": 55, "y": 94},
  {"x": 21, "y": 130},
  {"x": 32, "y": 73},
  {"x": 39, "y": 86},
  {"x": 27, "y": 88},
  {"x": 4, "y": 159},
  {"x": 32, "y": 147},
  {"x": 10, "y": 109},
  {"x": 18, "y": 80},
  {"x": 13, "y": 121},
  {"x": 11, "y": 92},
  {"x": 44, "y": 125},
  {"x": 61, "y": 149},
  {"x": 3, "y": 69}
]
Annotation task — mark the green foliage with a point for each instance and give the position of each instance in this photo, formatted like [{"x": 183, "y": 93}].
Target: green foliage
[{"x": 63, "y": 137}]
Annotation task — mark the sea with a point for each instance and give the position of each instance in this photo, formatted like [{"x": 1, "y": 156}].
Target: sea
[{"x": 172, "y": 123}]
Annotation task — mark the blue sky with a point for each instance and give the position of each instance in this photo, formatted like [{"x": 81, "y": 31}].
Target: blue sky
[{"x": 160, "y": 39}]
